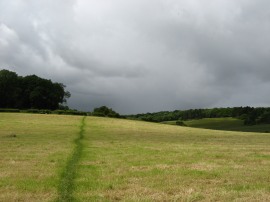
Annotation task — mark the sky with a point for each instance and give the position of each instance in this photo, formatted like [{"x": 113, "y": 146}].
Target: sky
[{"x": 139, "y": 56}]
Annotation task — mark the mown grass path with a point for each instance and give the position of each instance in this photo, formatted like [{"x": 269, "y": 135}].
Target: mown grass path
[{"x": 66, "y": 185}]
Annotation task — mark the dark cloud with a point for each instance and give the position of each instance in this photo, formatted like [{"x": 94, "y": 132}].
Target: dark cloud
[{"x": 139, "y": 56}]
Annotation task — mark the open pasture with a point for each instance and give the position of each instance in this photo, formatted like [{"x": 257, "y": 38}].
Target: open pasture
[
  {"x": 33, "y": 152},
  {"x": 129, "y": 161}
]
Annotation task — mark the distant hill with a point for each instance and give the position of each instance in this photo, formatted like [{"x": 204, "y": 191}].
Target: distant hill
[
  {"x": 249, "y": 115},
  {"x": 228, "y": 124}
]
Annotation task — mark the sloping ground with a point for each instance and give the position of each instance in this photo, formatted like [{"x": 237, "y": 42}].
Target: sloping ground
[
  {"x": 139, "y": 161},
  {"x": 129, "y": 161},
  {"x": 229, "y": 124}
]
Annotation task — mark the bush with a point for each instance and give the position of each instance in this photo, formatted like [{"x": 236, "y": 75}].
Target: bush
[
  {"x": 45, "y": 111},
  {"x": 63, "y": 107},
  {"x": 249, "y": 121},
  {"x": 105, "y": 112},
  {"x": 34, "y": 111},
  {"x": 98, "y": 114},
  {"x": 264, "y": 118},
  {"x": 70, "y": 112},
  {"x": 180, "y": 123},
  {"x": 9, "y": 110},
  {"x": 243, "y": 117}
]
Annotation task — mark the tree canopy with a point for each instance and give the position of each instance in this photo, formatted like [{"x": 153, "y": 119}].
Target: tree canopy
[
  {"x": 105, "y": 111},
  {"x": 250, "y": 115},
  {"x": 30, "y": 92}
]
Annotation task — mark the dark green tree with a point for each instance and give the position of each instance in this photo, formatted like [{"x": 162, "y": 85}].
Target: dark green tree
[
  {"x": 30, "y": 92},
  {"x": 9, "y": 89},
  {"x": 105, "y": 111}
]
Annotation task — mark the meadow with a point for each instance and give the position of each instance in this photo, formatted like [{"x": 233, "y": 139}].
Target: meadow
[
  {"x": 124, "y": 160},
  {"x": 33, "y": 152}
]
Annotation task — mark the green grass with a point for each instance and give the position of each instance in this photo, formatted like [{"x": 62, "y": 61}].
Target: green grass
[
  {"x": 68, "y": 175},
  {"x": 130, "y": 161},
  {"x": 229, "y": 124},
  {"x": 139, "y": 161},
  {"x": 33, "y": 152}
]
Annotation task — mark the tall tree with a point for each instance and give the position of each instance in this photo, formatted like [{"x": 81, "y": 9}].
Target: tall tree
[
  {"x": 9, "y": 89},
  {"x": 30, "y": 92}
]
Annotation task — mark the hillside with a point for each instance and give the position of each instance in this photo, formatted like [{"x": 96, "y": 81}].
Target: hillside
[
  {"x": 54, "y": 157},
  {"x": 228, "y": 124}
]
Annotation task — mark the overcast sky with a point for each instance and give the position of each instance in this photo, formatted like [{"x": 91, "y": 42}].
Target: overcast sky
[{"x": 143, "y": 55}]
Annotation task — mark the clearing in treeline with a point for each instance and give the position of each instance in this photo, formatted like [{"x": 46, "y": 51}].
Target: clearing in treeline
[{"x": 113, "y": 159}]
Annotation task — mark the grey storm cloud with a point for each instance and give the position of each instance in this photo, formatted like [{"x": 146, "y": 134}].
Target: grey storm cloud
[{"x": 139, "y": 56}]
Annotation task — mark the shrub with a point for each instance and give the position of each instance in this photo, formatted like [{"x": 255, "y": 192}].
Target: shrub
[
  {"x": 70, "y": 112},
  {"x": 180, "y": 123},
  {"x": 9, "y": 110},
  {"x": 34, "y": 111},
  {"x": 105, "y": 112},
  {"x": 45, "y": 111}
]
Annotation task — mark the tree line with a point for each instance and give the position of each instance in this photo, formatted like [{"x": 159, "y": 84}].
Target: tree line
[
  {"x": 250, "y": 115},
  {"x": 30, "y": 92}
]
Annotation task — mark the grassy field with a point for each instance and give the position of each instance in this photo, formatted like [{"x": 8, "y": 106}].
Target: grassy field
[
  {"x": 33, "y": 152},
  {"x": 129, "y": 161},
  {"x": 229, "y": 124}
]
